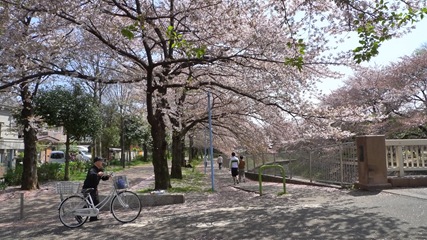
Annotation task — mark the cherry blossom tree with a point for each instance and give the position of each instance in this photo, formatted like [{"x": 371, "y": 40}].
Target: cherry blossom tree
[
  {"x": 408, "y": 80},
  {"x": 396, "y": 92},
  {"x": 33, "y": 48},
  {"x": 247, "y": 49},
  {"x": 21, "y": 51}
]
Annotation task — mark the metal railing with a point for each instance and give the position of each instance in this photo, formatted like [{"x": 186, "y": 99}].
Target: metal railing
[{"x": 335, "y": 164}]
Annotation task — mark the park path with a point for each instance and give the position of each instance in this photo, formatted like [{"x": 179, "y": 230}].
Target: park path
[
  {"x": 230, "y": 212},
  {"x": 40, "y": 206}
]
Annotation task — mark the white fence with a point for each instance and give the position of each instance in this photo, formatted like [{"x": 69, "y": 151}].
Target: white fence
[{"x": 406, "y": 156}]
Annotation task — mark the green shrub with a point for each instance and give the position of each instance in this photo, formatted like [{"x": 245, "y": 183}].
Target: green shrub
[
  {"x": 3, "y": 184},
  {"x": 78, "y": 167},
  {"x": 13, "y": 177},
  {"x": 50, "y": 171},
  {"x": 115, "y": 162},
  {"x": 140, "y": 158}
]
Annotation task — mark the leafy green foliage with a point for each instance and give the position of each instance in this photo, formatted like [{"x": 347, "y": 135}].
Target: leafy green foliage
[
  {"x": 137, "y": 130},
  {"x": 129, "y": 31},
  {"x": 372, "y": 32},
  {"x": 176, "y": 41},
  {"x": 50, "y": 171},
  {"x": 13, "y": 177},
  {"x": 77, "y": 167},
  {"x": 78, "y": 170},
  {"x": 298, "y": 60},
  {"x": 3, "y": 184},
  {"x": 110, "y": 135},
  {"x": 71, "y": 108},
  {"x": 141, "y": 159}
]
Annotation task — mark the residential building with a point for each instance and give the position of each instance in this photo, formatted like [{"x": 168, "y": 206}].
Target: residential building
[{"x": 11, "y": 142}]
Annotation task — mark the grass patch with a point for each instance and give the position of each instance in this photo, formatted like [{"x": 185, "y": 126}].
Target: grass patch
[
  {"x": 81, "y": 176},
  {"x": 192, "y": 181}
]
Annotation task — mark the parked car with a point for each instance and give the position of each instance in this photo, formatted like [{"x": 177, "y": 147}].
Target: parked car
[
  {"x": 57, "y": 157},
  {"x": 84, "y": 154}
]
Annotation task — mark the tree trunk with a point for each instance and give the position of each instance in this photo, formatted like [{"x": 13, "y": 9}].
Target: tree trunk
[
  {"x": 29, "y": 174},
  {"x": 145, "y": 151},
  {"x": 190, "y": 148},
  {"x": 161, "y": 170},
  {"x": 177, "y": 150},
  {"x": 183, "y": 151},
  {"x": 155, "y": 116}
]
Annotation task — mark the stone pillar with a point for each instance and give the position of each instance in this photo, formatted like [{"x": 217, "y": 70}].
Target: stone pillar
[{"x": 371, "y": 156}]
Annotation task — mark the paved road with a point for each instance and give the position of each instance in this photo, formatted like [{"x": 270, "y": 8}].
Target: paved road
[{"x": 305, "y": 212}]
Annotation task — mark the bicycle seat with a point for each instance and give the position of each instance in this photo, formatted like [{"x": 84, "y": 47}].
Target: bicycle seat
[{"x": 87, "y": 190}]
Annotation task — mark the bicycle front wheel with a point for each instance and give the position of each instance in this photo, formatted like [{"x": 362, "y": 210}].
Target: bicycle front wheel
[
  {"x": 126, "y": 206},
  {"x": 67, "y": 211}
]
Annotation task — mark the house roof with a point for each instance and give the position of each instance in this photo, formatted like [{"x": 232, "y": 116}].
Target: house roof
[{"x": 48, "y": 138}]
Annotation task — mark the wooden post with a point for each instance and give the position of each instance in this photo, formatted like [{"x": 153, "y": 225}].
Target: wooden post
[{"x": 21, "y": 209}]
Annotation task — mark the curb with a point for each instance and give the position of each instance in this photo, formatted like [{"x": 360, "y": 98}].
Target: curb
[
  {"x": 160, "y": 199},
  {"x": 269, "y": 178}
]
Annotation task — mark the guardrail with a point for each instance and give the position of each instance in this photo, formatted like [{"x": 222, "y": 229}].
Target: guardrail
[
  {"x": 335, "y": 164},
  {"x": 406, "y": 155}
]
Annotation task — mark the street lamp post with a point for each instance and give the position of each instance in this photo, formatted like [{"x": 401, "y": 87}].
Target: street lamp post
[
  {"x": 210, "y": 140},
  {"x": 122, "y": 137}
]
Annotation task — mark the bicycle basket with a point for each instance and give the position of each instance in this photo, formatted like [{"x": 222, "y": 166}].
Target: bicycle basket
[
  {"x": 67, "y": 187},
  {"x": 120, "y": 182}
]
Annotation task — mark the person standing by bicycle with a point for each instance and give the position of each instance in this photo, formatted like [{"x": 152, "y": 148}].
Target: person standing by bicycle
[{"x": 94, "y": 175}]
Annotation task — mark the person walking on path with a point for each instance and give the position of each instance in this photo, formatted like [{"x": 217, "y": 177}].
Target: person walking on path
[
  {"x": 219, "y": 160},
  {"x": 93, "y": 177},
  {"x": 242, "y": 169},
  {"x": 205, "y": 160},
  {"x": 234, "y": 166}
]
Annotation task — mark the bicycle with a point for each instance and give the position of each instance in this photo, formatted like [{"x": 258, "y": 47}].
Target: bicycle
[{"x": 125, "y": 205}]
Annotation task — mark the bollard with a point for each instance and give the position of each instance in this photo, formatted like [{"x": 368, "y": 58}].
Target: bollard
[
  {"x": 21, "y": 212},
  {"x": 271, "y": 166}
]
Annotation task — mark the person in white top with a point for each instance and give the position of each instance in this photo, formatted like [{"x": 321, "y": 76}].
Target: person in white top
[
  {"x": 219, "y": 160},
  {"x": 234, "y": 166}
]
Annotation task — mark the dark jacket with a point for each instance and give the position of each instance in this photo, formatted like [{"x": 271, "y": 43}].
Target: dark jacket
[{"x": 92, "y": 178}]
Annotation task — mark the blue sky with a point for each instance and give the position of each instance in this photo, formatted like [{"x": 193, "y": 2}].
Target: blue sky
[{"x": 389, "y": 51}]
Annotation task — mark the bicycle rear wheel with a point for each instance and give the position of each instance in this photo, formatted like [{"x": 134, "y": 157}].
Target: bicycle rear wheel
[
  {"x": 67, "y": 211},
  {"x": 126, "y": 206}
]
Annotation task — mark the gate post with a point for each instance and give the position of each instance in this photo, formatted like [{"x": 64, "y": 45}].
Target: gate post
[{"x": 371, "y": 156}]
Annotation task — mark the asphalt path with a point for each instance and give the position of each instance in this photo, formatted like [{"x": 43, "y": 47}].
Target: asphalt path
[{"x": 235, "y": 212}]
